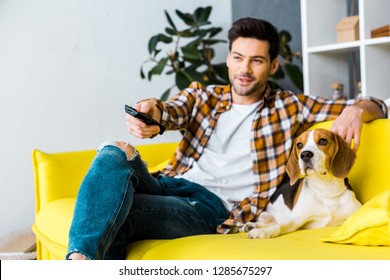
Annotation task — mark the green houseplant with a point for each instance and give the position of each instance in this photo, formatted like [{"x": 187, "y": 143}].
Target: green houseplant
[
  {"x": 190, "y": 51},
  {"x": 189, "y": 54}
]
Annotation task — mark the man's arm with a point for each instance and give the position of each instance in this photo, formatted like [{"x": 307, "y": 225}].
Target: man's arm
[{"x": 349, "y": 124}]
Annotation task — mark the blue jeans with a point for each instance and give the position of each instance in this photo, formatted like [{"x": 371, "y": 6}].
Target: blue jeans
[{"x": 120, "y": 202}]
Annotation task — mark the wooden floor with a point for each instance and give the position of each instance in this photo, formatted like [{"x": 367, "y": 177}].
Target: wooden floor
[{"x": 18, "y": 245}]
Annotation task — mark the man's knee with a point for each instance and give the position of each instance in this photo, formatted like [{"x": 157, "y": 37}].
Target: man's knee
[{"x": 124, "y": 146}]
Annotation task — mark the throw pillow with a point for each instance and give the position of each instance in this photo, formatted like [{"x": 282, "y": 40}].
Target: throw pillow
[{"x": 370, "y": 225}]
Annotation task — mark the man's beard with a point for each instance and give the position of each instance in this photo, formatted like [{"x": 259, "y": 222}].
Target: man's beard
[{"x": 245, "y": 90}]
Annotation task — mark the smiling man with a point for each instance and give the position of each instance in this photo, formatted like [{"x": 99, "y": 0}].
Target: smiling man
[
  {"x": 250, "y": 65},
  {"x": 237, "y": 139}
]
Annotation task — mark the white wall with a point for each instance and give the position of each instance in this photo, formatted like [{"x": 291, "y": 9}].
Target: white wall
[{"x": 67, "y": 67}]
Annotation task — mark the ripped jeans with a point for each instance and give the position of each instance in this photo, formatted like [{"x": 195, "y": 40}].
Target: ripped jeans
[{"x": 120, "y": 202}]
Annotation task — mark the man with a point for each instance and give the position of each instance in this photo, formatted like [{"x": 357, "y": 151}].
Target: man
[{"x": 231, "y": 159}]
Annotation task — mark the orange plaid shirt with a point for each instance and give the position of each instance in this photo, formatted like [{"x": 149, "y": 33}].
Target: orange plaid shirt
[{"x": 280, "y": 117}]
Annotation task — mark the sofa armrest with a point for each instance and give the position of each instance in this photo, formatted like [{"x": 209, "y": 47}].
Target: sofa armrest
[{"x": 59, "y": 175}]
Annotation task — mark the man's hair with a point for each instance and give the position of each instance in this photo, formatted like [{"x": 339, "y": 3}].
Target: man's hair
[{"x": 257, "y": 29}]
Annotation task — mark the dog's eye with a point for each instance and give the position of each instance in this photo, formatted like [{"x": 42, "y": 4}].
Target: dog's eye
[
  {"x": 299, "y": 145},
  {"x": 323, "y": 142}
]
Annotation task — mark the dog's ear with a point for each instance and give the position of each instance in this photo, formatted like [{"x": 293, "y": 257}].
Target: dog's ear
[
  {"x": 343, "y": 158},
  {"x": 292, "y": 166}
]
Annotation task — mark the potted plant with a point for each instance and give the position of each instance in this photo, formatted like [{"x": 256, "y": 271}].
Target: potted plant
[{"x": 190, "y": 51}]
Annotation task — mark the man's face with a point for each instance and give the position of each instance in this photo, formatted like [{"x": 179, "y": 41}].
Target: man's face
[{"x": 249, "y": 67}]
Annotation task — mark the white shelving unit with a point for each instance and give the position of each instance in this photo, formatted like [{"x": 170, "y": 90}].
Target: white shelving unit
[{"x": 326, "y": 61}]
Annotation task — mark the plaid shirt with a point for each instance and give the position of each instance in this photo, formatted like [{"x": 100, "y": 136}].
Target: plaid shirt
[{"x": 280, "y": 117}]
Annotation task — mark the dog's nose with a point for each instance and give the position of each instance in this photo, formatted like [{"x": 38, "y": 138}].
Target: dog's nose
[{"x": 306, "y": 155}]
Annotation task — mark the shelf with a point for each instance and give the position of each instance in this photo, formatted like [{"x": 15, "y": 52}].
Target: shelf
[
  {"x": 348, "y": 46},
  {"x": 338, "y": 48},
  {"x": 326, "y": 61},
  {"x": 378, "y": 41}
]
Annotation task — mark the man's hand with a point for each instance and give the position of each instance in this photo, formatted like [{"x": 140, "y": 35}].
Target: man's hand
[
  {"x": 137, "y": 127},
  {"x": 349, "y": 125},
  {"x": 350, "y": 122}
]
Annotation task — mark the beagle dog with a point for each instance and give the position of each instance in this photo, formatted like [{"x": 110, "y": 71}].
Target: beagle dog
[{"x": 321, "y": 198}]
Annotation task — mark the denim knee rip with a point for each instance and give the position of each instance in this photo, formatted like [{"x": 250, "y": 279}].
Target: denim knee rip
[
  {"x": 112, "y": 143},
  {"x": 115, "y": 144}
]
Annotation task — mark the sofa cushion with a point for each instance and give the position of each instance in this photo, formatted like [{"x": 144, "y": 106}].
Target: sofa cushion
[
  {"x": 53, "y": 222},
  {"x": 368, "y": 226},
  {"x": 298, "y": 245}
]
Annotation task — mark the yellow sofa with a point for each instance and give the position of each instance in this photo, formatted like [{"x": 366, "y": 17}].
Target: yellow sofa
[{"x": 363, "y": 236}]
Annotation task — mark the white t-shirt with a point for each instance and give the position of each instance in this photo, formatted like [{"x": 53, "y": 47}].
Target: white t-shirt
[{"x": 225, "y": 166}]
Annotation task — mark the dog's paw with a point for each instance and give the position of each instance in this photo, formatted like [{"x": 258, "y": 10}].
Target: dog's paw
[
  {"x": 265, "y": 232},
  {"x": 248, "y": 227},
  {"x": 261, "y": 233}
]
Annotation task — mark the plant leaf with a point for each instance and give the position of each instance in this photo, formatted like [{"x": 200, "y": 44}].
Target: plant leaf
[
  {"x": 198, "y": 14},
  {"x": 166, "y": 39},
  {"x": 165, "y": 95},
  {"x": 201, "y": 32},
  {"x": 221, "y": 72},
  {"x": 203, "y": 23},
  {"x": 181, "y": 80},
  {"x": 156, "y": 39},
  {"x": 208, "y": 54},
  {"x": 191, "y": 52},
  {"x": 194, "y": 75},
  {"x": 152, "y": 43},
  {"x": 157, "y": 70},
  {"x": 187, "y": 18},
  {"x": 205, "y": 13},
  {"x": 171, "y": 31},
  {"x": 202, "y": 14},
  {"x": 279, "y": 74},
  {"x": 156, "y": 52},
  {"x": 170, "y": 21},
  {"x": 285, "y": 36},
  {"x": 187, "y": 33},
  {"x": 213, "y": 41},
  {"x": 295, "y": 75},
  {"x": 214, "y": 31},
  {"x": 194, "y": 43}
]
